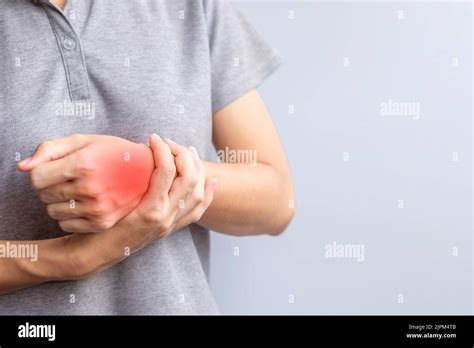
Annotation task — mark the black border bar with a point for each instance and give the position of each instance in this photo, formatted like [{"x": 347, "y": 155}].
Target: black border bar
[{"x": 288, "y": 330}]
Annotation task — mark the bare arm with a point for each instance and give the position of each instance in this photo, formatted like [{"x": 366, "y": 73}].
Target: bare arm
[
  {"x": 52, "y": 264},
  {"x": 158, "y": 214},
  {"x": 70, "y": 257},
  {"x": 250, "y": 199}
]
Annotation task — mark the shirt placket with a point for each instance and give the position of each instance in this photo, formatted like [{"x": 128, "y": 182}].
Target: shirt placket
[{"x": 71, "y": 51}]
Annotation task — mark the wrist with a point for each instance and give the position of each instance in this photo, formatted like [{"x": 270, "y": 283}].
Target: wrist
[
  {"x": 91, "y": 253},
  {"x": 88, "y": 254}
]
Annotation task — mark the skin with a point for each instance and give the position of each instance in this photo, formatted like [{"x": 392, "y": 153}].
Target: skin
[
  {"x": 257, "y": 195},
  {"x": 250, "y": 199},
  {"x": 179, "y": 175},
  {"x": 90, "y": 182},
  {"x": 245, "y": 204},
  {"x": 60, "y": 3},
  {"x": 232, "y": 198}
]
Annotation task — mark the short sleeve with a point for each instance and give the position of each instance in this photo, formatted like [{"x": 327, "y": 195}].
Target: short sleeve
[{"x": 240, "y": 59}]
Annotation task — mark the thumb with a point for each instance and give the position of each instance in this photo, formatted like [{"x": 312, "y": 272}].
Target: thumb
[{"x": 53, "y": 150}]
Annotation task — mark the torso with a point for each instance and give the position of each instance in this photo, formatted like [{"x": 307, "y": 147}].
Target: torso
[{"x": 147, "y": 71}]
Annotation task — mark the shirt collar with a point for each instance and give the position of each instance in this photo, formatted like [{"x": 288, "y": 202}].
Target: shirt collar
[{"x": 37, "y": 2}]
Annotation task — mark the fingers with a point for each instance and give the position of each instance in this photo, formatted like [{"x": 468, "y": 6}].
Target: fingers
[
  {"x": 209, "y": 190},
  {"x": 187, "y": 178},
  {"x": 183, "y": 158},
  {"x": 66, "y": 210},
  {"x": 54, "y": 149},
  {"x": 196, "y": 214},
  {"x": 179, "y": 176},
  {"x": 81, "y": 225},
  {"x": 58, "y": 193},
  {"x": 164, "y": 173},
  {"x": 201, "y": 197},
  {"x": 201, "y": 173},
  {"x": 52, "y": 173},
  {"x": 95, "y": 213},
  {"x": 197, "y": 195}
]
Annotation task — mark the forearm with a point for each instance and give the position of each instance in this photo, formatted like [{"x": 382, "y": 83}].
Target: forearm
[
  {"x": 19, "y": 272},
  {"x": 71, "y": 257},
  {"x": 249, "y": 200}
]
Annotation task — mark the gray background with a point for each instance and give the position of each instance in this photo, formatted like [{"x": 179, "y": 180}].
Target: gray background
[{"x": 409, "y": 250}]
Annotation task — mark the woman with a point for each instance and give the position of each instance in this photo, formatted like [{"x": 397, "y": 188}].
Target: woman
[{"x": 89, "y": 81}]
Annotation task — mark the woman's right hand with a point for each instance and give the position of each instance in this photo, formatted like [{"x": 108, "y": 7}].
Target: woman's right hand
[{"x": 89, "y": 182}]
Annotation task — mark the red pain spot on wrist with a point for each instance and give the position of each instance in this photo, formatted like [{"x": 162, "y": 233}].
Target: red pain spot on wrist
[{"x": 125, "y": 171}]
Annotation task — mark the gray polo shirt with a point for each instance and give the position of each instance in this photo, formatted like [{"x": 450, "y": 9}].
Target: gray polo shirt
[{"x": 123, "y": 68}]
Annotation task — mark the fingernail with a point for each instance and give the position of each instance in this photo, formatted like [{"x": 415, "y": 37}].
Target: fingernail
[
  {"x": 25, "y": 161},
  {"x": 156, "y": 136},
  {"x": 214, "y": 182},
  {"x": 193, "y": 149}
]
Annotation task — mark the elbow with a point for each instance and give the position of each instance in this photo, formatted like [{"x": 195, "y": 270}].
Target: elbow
[
  {"x": 282, "y": 223},
  {"x": 282, "y": 218}
]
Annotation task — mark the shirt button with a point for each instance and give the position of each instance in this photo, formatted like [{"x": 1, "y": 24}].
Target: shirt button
[{"x": 69, "y": 43}]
